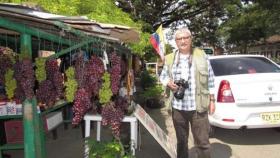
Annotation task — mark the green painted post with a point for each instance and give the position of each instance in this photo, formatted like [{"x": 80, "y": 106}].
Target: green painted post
[
  {"x": 39, "y": 133},
  {"x": 25, "y": 43},
  {"x": 29, "y": 136},
  {"x": 34, "y": 144}
]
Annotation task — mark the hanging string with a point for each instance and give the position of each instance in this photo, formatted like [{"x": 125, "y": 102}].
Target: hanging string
[
  {"x": 15, "y": 43},
  {"x": 39, "y": 41},
  {"x": 6, "y": 40},
  {"x": 52, "y": 47},
  {"x": 70, "y": 58},
  {"x": 44, "y": 44}
]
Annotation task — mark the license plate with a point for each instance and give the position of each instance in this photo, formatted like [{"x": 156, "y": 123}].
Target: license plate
[{"x": 272, "y": 117}]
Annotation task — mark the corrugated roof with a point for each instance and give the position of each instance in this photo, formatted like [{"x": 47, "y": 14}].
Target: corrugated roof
[{"x": 109, "y": 31}]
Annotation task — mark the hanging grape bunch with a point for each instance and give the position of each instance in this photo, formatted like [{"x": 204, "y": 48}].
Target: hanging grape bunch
[
  {"x": 5, "y": 64},
  {"x": 40, "y": 71},
  {"x": 112, "y": 116},
  {"x": 94, "y": 72},
  {"x": 81, "y": 105},
  {"x": 79, "y": 70},
  {"x": 45, "y": 94},
  {"x": 71, "y": 84},
  {"x": 55, "y": 76},
  {"x": 10, "y": 83},
  {"x": 26, "y": 77},
  {"x": 122, "y": 103},
  {"x": 105, "y": 92},
  {"x": 115, "y": 72},
  {"x": 19, "y": 93}
]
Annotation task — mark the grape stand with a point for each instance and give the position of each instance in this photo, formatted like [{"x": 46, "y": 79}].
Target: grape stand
[{"x": 48, "y": 63}]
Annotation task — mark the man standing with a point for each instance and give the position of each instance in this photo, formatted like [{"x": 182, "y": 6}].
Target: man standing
[{"x": 188, "y": 75}]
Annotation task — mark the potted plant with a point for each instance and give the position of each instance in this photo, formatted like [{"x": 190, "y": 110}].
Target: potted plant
[
  {"x": 110, "y": 149},
  {"x": 153, "y": 96}
]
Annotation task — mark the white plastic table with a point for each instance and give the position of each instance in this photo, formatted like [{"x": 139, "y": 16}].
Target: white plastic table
[{"x": 97, "y": 118}]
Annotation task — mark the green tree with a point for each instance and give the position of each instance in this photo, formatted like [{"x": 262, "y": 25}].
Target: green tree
[
  {"x": 104, "y": 11},
  {"x": 256, "y": 21}
]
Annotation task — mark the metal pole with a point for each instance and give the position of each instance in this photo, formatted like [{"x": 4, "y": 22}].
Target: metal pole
[{"x": 29, "y": 136}]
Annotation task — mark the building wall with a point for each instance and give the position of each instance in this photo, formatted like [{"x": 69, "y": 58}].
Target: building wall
[{"x": 269, "y": 50}]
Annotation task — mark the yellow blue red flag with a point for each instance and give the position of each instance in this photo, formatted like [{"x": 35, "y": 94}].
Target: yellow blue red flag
[{"x": 158, "y": 42}]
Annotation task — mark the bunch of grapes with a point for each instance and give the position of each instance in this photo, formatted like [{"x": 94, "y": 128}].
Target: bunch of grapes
[
  {"x": 94, "y": 72},
  {"x": 51, "y": 67},
  {"x": 40, "y": 71},
  {"x": 81, "y": 105},
  {"x": 79, "y": 71},
  {"x": 55, "y": 76},
  {"x": 71, "y": 84},
  {"x": 26, "y": 77},
  {"x": 122, "y": 103},
  {"x": 19, "y": 93},
  {"x": 105, "y": 92},
  {"x": 10, "y": 83},
  {"x": 5, "y": 64},
  {"x": 112, "y": 116},
  {"x": 45, "y": 94},
  {"x": 115, "y": 72},
  {"x": 58, "y": 83}
]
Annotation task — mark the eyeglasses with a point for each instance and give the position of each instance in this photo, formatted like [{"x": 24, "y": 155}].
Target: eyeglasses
[{"x": 183, "y": 38}]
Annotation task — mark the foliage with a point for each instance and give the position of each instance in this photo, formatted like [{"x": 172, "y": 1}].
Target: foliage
[
  {"x": 10, "y": 83},
  {"x": 71, "y": 84},
  {"x": 105, "y": 92},
  {"x": 107, "y": 149},
  {"x": 154, "y": 91},
  {"x": 244, "y": 28},
  {"x": 40, "y": 71},
  {"x": 215, "y": 23},
  {"x": 143, "y": 46},
  {"x": 147, "y": 80}
]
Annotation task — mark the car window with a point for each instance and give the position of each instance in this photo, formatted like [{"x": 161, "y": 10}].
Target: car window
[{"x": 242, "y": 65}]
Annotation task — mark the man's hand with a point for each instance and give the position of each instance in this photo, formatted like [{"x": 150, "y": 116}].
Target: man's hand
[
  {"x": 172, "y": 85},
  {"x": 212, "y": 107}
]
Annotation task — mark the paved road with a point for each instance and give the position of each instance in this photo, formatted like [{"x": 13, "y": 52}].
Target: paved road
[
  {"x": 253, "y": 143},
  {"x": 250, "y": 143}
]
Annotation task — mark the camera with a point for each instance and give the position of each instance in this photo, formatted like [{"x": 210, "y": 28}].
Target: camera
[{"x": 182, "y": 86}]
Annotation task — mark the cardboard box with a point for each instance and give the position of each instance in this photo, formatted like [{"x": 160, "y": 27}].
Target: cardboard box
[
  {"x": 3, "y": 108},
  {"x": 14, "y": 131},
  {"x": 14, "y": 128},
  {"x": 53, "y": 120}
]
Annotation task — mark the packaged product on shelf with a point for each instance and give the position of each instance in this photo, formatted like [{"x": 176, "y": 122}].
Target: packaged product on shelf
[
  {"x": 11, "y": 108},
  {"x": 19, "y": 109},
  {"x": 3, "y": 108}
]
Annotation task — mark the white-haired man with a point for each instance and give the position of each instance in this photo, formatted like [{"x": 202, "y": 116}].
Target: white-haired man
[{"x": 188, "y": 75}]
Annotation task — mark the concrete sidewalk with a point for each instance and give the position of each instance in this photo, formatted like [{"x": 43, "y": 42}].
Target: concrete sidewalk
[{"x": 70, "y": 144}]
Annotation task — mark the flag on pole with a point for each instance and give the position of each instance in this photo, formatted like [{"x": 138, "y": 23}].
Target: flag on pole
[{"x": 157, "y": 41}]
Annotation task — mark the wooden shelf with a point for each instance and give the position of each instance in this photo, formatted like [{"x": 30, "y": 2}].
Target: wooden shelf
[
  {"x": 10, "y": 117},
  {"x": 12, "y": 146},
  {"x": 55, "y": 107}
]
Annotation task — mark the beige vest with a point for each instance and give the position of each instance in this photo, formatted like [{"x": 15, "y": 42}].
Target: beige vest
[{"x": 202, "y": 95}]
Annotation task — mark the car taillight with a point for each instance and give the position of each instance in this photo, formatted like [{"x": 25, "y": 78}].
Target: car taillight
[{"x": 224, "y": 94}]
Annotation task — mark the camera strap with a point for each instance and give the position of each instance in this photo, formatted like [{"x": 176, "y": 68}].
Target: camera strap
[
  {"x": 190, "y": 65},
  {"x": 177, "y": 56}
]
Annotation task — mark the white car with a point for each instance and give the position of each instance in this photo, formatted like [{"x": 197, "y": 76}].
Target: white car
[{"x": 247, "y": 91}]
